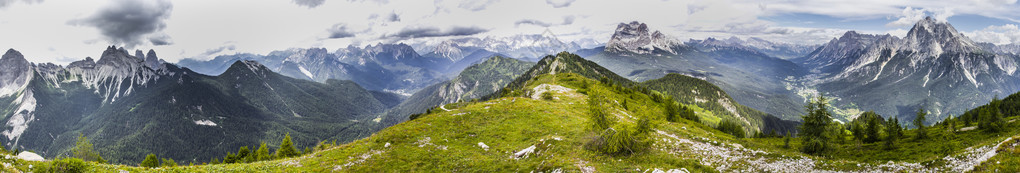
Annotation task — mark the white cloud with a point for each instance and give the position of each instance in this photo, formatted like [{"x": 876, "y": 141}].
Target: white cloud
[
  {"x": 1002, "y": 34},
  {"x": 476, "y": 5},
  {"x": 5, "y": 3},
  {"x": 908, "y": 17},
  {"x": 559, "y": 3},
  {"x": 202, "y": 29}
]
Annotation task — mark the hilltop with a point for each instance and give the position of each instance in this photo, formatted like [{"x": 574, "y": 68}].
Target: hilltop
[{"x": 526, "y": 129}]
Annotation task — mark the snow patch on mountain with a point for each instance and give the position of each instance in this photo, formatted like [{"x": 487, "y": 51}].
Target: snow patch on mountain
[
  {"x": 116, "y": 74},
  {"x": 306, "y": 72},
  {"x": 205, "y": 123},
  {"x": 25, "y": 114},
  {"x": 1005, "y": 64},
  {"x": 449, "y": 50}
]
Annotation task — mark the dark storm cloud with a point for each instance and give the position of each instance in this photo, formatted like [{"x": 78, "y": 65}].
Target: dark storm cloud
[
  {"x": 160, "y": 40},
  {"x": 309, "y": 3},
  {"x": 339, "y": 31},
  {"x": 422, "y": 32},
  {"x": 131, "y": 22}
]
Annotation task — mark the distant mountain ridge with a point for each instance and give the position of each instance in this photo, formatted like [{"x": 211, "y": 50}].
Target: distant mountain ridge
[
  {"x": 530, "y": 47},
  {"x": 474, "y": 82},
  {"x": 751, "y": 77},
  {"x": 395, "y": 68},
  {"x": 934, "y": 67},
  {"x": 673, "y": 84},
  {"x": 635, "y": 37},
  {"x": 774, "y": 49},
  {"x": 128, "y": 109}
]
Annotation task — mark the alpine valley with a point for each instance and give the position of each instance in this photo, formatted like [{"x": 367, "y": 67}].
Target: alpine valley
[{"x": 426, "y": 99}]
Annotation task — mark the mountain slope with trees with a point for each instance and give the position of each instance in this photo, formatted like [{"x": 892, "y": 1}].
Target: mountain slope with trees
[
  {"x": 570, "y": 122},
  {"x": 129, "y": 109}
]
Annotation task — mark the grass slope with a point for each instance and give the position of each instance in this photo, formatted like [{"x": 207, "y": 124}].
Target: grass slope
[{"x": 493, "y": 135}]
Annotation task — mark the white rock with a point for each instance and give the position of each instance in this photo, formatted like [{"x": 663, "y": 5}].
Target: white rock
[
  {"x": 25, "y": 155},
  {"x": 525, "y": 152},
  {"x": 484, "y": 147}
]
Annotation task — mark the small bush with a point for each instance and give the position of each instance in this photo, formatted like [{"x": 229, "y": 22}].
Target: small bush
[
  {"x": 151, "y": 161},
  {"x": 814, "y": 146},
  {"x": 168, "y": 163},
  {"x": 547, "y": 95},
  {"x": 612, "y": 141},
  {"x": 68, "y": 165}
]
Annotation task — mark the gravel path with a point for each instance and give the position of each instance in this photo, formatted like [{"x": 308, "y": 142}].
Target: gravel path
[{"x": 735, "y": 158}]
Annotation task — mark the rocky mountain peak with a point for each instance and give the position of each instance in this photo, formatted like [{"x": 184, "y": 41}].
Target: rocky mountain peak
[
  {"x": 118, "y": 58},
  {"x": 139, "y": 55},
  {"x": 634, "y": 37},
  {"x": 398, "y": 51},
  {"x": 935, "y": 37},
  {"x": 13, "y": 56},
  {"x": 15, "y": 72},
  {"x": 151, "y": 60},
  {"x": 449, "y": 50},
  {"x": 88, "y": 62},
  {"x": 245, "y": 67}
]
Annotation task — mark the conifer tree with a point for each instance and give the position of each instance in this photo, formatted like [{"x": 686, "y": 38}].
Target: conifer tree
[
  {"x": 786, "y": 140},
  {"x": 814, "y": 128},
  {"x": 599, "y": 116},
  {"x": 286, "y": 148},
  {"x": 857, "y": 128},
  {"x": 83, "y": 150},
  {"x": 922, "y": 132},
  {"x": 262, "y": 153},
  {"x": 230, "y": 158},
  {"x": 671, "y": 112},
  {"x": 150, "y": 161},
  {"x": 873, "y": 128},
  {"x": 243, "y": 154},
  {"x": 952, "y": 123},
  {"x": 892, "y": 133},
  {"x": 168, "y": 163}
]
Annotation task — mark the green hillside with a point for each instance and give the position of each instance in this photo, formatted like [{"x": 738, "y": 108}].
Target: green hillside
[
  {"x": 474, "y": 82},
  {"x": 570, "y": 122},
  {"x": 189, "y": 116},
  {"x": 713, "y": 100},
  {"x": 497, "y": 135}
]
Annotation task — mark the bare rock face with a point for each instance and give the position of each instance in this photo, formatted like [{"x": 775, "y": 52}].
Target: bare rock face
[
  {"x": 932, "y": 58},
  {"x": 15, "y": 72},
  {"x": 635, "y": 38},
  {"x": 151, "y": 60}
]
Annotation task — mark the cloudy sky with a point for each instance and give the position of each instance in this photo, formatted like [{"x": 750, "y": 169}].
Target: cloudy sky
[{"x": 62, "y": 31}]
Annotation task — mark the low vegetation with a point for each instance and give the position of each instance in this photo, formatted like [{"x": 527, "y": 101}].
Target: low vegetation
[{"x": 610, "y": 126}]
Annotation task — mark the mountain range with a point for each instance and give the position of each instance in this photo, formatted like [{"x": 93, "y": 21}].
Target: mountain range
[
  {"x": 473, "y": 83},
  {"x": 933, "y": 67},
  {"x": 751, "y": 77},
  {"x": 131, "y": 106},
  {"x": 122, "y": 101}
]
